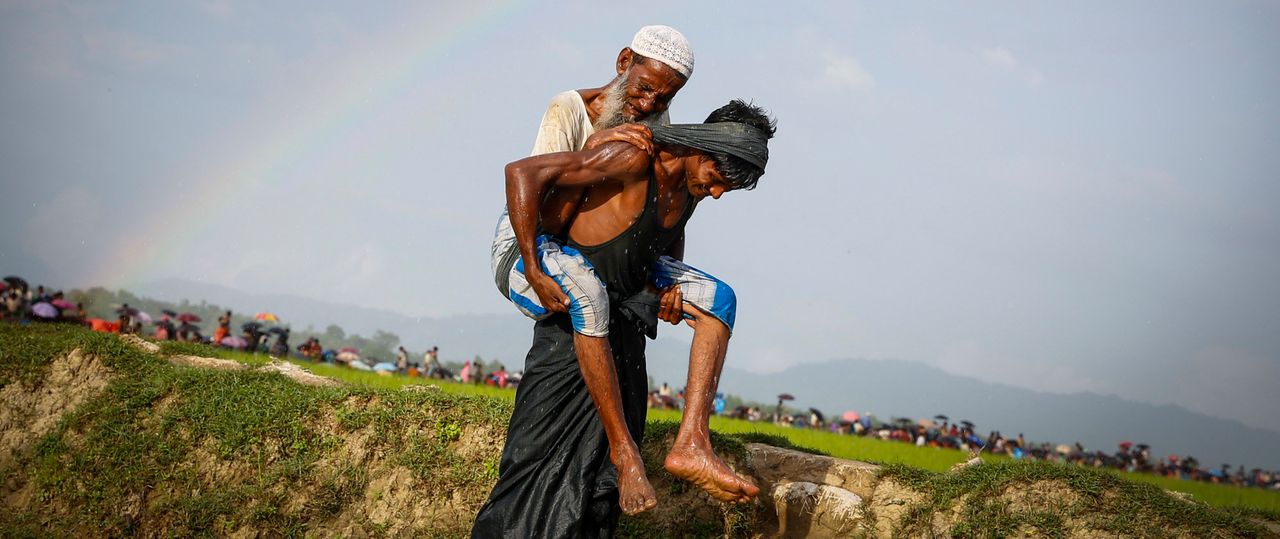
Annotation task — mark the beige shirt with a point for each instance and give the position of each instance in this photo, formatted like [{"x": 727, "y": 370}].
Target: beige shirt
[{"x": 566, "y": 125}]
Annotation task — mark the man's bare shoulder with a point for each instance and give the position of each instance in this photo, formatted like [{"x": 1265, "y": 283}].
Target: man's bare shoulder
[{"x": 620, "y": 160}]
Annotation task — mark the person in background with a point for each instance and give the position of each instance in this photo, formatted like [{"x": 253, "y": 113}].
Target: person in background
[{"x": 224, "y": 328}]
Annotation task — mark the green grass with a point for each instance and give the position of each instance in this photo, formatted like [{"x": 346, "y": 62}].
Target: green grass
[
  {"x": 827, "y": 443},
  {"x": 159, "y": 424},
  {"x": 154, "y": 418},
  {"x": 1103, "y": 501}
]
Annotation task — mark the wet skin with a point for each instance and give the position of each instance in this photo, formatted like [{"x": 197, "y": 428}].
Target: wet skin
[{"x": 615, "y": 179}]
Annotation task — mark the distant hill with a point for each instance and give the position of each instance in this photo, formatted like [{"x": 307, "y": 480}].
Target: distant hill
[{"x": 884, "y": 387}]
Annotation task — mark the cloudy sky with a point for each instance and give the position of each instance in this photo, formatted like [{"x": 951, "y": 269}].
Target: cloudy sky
[{"x": 1065, "y": 198}]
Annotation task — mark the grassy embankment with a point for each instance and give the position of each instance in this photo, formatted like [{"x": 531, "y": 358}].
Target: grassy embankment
[
  {"x": 168, "y": 450},
  {"x": 850, "y": 447}
]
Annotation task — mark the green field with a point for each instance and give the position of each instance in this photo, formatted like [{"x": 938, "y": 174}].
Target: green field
[
  {"x": 165, "y": 449},
  {"x": 843, "y": 446}
]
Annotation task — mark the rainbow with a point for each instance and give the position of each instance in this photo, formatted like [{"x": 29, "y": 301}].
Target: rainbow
[{"x": 280, "y": 141}]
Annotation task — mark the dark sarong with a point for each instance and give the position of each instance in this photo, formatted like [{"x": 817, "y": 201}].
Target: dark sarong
[{"x": 555, "y": 478}]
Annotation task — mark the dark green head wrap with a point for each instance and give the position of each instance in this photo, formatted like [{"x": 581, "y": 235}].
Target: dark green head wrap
[{"x": 731, "y": 138}]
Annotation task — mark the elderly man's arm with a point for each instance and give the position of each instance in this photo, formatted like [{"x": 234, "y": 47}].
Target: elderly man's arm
[{"x": 530, "y": 179}]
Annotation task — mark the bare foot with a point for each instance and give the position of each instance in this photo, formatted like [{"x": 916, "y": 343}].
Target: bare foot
[
  {"x": 635, "y": 494},
  {"x": 702, "y": 467}
]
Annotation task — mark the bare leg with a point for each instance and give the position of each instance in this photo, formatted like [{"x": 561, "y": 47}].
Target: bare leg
[
  {"x": 595, "y": 359},
  {"x": 692, "y": 457}
]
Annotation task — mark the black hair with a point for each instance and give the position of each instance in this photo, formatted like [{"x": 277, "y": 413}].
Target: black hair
[{"x": 736, "y": 170}]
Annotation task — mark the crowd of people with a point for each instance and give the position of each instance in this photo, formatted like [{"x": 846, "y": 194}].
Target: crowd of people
[
  {"x": 941, "y": 432},
  {"x": 23, "y": 304}
]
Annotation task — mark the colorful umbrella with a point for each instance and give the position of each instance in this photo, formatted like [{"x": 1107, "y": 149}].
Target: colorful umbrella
[
  {"x": 44, "y": 310},
  {"x": 266, "y": 317},
  {"x": 142, "y": 317},
  {"x": 188, "y": 317},
  {"x": 850, "y": 416},
  {"x": 347, "y": 357},
  {"x": 234, "y": 342},
  {"x": 349, "y": 349},
  {"x": 63, "y": 304},
  {"x": 384, "y": 366}
]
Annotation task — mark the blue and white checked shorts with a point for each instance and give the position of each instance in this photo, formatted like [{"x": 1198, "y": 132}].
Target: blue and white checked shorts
[{"x": 588, "y": 300}]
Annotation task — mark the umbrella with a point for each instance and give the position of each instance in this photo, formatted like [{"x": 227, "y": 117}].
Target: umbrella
[
  {"x": 142, "y": 316},
  {"x": 278, "y": 331},
  {"x": 941, "y": 417},
  {"x": 360, "y": 366},
  {"x": 188, "y": 327},
  {"x": 904, "y": 420},
  {"x": 234, "y": 342},
  {"x": 818, "y": 413},
  {"x": 966, "y": 423},
  {"x": 384, "y": 366},
  {"x": 44, "y": 310},
  {"x": 3, "y": 285},
  {"x": 1143, "y": 447},
  {"x": 188, "y": 317},
  {"x": 16, "y": 282},
  {"x": 347, "y": 357},
  {"x": 168, "y": 312},
  {"x": 926, "y": 423},
  {"x": 349, "y": 350},
  {"x": 63, "y": 304},
  {"x": 266, "y": 317},
  {"x": 850, "y": 416},
  {"x": 1125, "y": 445},
  {"x": 786, "y": 397}
]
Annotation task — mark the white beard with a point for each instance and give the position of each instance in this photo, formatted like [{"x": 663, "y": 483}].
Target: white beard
[{"x": 615, "y": 97}]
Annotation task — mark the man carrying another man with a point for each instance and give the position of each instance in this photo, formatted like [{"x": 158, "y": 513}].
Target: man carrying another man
[{"x": 625, "y": 211}]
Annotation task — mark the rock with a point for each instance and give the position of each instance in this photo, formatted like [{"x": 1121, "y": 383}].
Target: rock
[
  {"x": 806, "y": 509},
  {"x": 773, "y": 464},
  {"x": 140, "y": 343},
  {"x": 299, "y": 374}
]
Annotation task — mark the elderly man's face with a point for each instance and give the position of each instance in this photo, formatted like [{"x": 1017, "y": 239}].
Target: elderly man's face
[{"x": 649, "y": 87}]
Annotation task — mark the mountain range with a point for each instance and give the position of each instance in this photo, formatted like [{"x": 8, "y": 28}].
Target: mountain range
[{"x": 885, "y": 388}]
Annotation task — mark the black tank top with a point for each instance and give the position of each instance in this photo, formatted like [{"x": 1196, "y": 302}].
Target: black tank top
[{"x": 624, "y": 262}]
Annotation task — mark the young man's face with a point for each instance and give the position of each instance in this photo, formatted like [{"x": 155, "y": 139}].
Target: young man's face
[
  {"x": 705, "y": 180},
  {"x": 650, "y": 85}
]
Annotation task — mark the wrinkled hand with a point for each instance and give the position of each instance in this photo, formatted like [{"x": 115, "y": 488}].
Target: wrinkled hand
[
  {"x": 637, "y": 135},
  {"x": 549, "y": 293},
  {"x": 671, "y": 305}
]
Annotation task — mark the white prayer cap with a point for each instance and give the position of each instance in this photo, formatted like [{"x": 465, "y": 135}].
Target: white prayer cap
[{"x": 667, "y": 45}]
